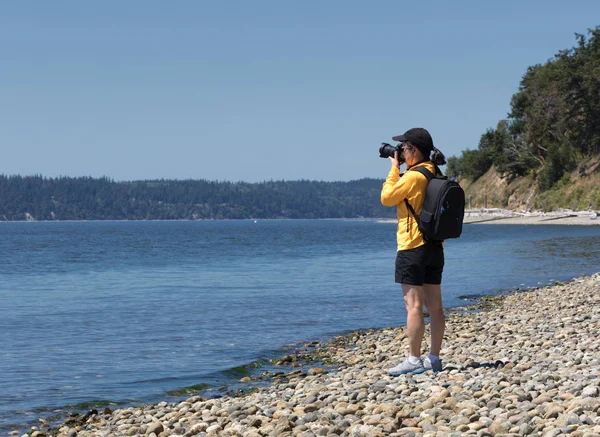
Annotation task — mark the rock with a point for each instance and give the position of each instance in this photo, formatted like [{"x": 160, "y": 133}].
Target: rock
[
  {"x": 283, "y": 425},
  {"x": 476, "y": 426},
  {"x": 310, "y": 407},
  {"x": 378, "y": 387},
  {"x": 214, "y": 429},
  {"x": 254, "y": 422},
  {"x": 542, "y": 399},
  {"x": 197, "y": 428},
  {"x": 155, "y": 428},
  {"x": 553, "y": 411},
  {"x": 499, "y": 427},
  {"x": 526, "y": 429}
]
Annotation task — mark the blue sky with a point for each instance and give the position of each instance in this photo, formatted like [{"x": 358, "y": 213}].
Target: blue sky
[{"x": 260, "y": 90}]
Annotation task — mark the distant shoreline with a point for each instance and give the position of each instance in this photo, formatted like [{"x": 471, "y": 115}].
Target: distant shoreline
[
  {"x": 363, "y": 219},
  {"x": 507, "y": 217},
  {"x": 490, "y": 216}
]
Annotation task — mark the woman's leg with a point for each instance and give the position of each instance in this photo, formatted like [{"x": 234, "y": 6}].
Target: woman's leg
[
  {"x": 415, "y": 325},
  {"x": 432, "y": 297}
]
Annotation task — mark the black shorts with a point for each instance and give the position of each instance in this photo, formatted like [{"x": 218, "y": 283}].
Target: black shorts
[{"x": 421, "y": 265}]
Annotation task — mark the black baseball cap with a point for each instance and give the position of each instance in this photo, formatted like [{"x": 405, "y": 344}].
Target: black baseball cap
[{"x": 419, "y": 137}]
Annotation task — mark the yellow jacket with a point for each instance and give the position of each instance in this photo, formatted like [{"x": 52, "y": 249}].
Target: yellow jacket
[{"x": 411, "y": 186}]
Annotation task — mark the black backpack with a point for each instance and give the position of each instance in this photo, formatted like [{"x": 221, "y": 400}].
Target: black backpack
[{"x": 443, "y": 209}]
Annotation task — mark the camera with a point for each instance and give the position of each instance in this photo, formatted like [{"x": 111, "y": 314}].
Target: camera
[{"x": 387, "y": 150}]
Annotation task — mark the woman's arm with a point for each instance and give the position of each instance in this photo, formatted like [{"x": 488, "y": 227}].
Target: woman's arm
[{"x": 396, "y": 189}]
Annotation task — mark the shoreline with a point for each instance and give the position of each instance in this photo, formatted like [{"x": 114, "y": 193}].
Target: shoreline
[
  {"x": 507, "y": 217},
  {"x": 473, "y": 216},
  {"x": 549, "y": 381}
]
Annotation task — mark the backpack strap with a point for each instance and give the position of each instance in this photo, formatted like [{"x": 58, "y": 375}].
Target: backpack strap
[
  {"x": 425, "y": 173},
  {"x": 412, "y": 211},
  {"x": 429, "y": 177}
]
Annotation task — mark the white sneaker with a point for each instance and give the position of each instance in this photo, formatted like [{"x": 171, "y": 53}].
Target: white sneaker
[
  {"x": 407, "y": 367},
  {"x": 436, "y": 366}
]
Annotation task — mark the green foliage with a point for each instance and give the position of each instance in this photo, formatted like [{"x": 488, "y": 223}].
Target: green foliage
[
  {"x": 502, "y": 147},
  {"x": 475, "y": 163},
  {"x": 595, "y": 197},
  {"x": 563, "y": 193},
  {"x": 581, "y": 90},
  {"x": 86, "y": 198},
  {"x": 553, "y": 123},
  {"x": 453, "y": 167},
  {"x": 558, "y": 159}
]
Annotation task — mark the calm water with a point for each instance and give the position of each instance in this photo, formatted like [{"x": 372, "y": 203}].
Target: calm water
[{"x": 126, "y": 311}]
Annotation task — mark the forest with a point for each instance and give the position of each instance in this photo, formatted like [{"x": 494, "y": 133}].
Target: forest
[{"x": 86, "y": 198}]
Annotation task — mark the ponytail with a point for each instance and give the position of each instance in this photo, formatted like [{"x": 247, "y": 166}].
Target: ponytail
[{"x": 438, "y": 157}]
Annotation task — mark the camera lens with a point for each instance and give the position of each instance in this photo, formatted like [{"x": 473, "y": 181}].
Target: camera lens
[{"x": 386, "y": 150}]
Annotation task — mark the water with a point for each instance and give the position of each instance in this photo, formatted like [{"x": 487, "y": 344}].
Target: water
[{"x": 127, "y": 311}]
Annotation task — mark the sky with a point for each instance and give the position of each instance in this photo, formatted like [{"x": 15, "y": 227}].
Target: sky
[{"x": 260, "y": 90}]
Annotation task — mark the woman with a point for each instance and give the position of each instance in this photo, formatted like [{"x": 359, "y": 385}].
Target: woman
[{"x": 419, "y": 264}]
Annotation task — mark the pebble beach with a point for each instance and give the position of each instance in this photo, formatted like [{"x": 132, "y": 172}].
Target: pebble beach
[{"x": 524, "y": 363}]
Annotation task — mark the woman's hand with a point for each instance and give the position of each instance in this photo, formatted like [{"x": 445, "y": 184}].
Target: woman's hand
[{"x": 394, "y": 160}]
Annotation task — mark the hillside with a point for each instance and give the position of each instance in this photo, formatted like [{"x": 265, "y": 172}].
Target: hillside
[
  {"x": 578, "y": 190},
  {"x": 546, "y": 153}
]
